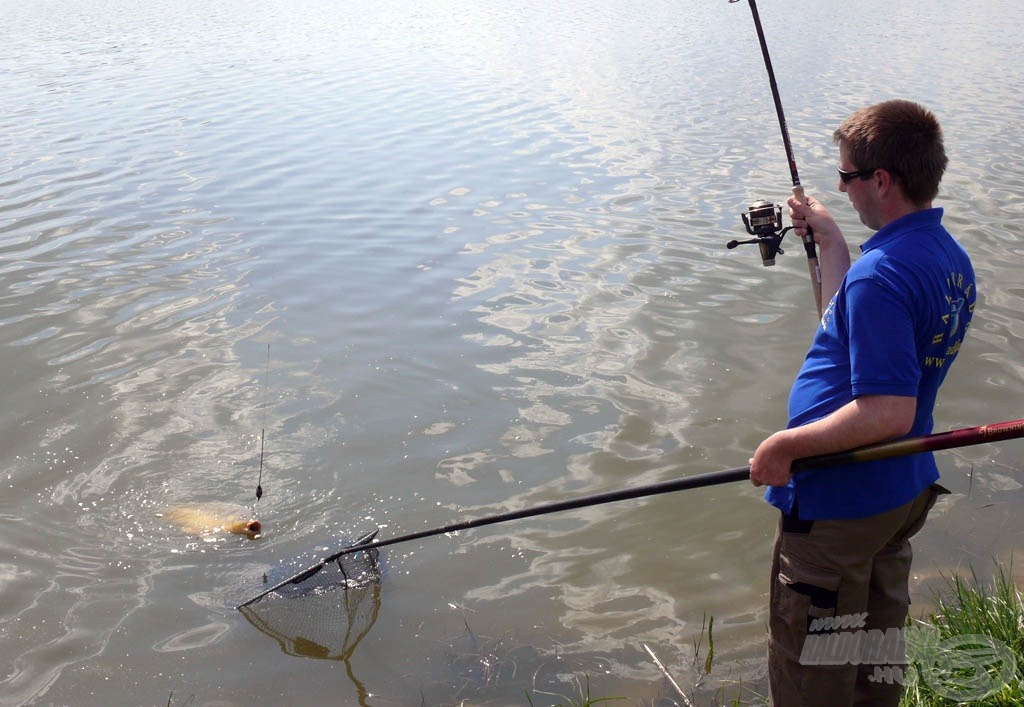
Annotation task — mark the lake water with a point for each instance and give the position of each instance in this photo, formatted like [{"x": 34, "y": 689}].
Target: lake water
[{"x": 486, "y": 249}]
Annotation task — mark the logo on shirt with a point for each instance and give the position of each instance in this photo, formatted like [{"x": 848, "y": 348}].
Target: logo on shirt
[
  {"x": 955, "y": 307},
  {"x": 952, "y": 332}
]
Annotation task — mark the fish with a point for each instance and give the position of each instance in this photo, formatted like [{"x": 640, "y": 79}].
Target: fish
[{"x": 213, "y": 517}]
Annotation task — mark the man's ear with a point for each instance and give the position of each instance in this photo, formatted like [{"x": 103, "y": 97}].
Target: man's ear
[{"x": 887, "y": 182}]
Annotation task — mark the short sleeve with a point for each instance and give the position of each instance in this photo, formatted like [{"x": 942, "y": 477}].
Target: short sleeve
[{"x": 883, "y": 354}]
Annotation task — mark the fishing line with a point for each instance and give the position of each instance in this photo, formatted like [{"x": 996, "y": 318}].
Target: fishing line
[
  {"x": 263, "y": 428},
  {"x": 763, "y": 219}
]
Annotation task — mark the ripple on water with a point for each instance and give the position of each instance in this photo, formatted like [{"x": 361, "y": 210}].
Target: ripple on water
[{"x": 491, "y": 261}]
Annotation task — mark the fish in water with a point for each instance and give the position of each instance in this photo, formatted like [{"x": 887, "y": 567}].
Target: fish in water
[{"x": 213, "y": 517}]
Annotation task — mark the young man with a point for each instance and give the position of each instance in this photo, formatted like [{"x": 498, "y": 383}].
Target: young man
[{"x": 893, "y": 326}]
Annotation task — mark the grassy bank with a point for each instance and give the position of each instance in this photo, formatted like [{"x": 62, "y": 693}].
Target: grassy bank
[{"x": 970, "y": 650}]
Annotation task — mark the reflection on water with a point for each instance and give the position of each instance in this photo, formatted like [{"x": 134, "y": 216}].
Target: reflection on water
[
  {"x": 326, "y": 626},
  {"x": 486, "y": 246}
]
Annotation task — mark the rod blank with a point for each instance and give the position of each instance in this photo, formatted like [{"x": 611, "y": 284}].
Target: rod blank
[{"x": 965, "y": 437}]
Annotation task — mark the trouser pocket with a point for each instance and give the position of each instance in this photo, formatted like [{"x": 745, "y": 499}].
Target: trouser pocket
[
  {"x": 805, "y": 601},
  {"x": 804, "y": 604}
]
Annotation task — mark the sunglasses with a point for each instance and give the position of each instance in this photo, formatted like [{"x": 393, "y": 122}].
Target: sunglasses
[{"x": 848, "y": 177}]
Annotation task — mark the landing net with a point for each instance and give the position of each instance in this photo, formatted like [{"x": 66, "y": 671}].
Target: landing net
[{"x": 322, "y": 613}]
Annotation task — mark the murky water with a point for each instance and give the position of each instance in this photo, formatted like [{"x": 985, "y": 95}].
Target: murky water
[{"x": 485, "y": 247}]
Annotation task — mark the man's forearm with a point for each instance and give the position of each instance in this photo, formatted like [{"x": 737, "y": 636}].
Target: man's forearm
[
  {"x": 866, "y": 420},
  {"x": 874, "y": 418}
]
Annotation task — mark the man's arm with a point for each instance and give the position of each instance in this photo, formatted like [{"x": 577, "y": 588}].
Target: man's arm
[{"x": 865, "y": 420}]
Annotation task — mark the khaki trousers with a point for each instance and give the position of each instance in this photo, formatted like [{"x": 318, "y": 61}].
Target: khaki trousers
[{"x": 857, "y": 570}]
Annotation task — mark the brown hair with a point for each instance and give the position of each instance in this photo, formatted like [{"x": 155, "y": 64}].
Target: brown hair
[{"x": 901, "y": 137}]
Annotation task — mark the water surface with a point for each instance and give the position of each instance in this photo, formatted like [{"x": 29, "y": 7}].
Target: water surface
[{"x": 485, "y": 247}]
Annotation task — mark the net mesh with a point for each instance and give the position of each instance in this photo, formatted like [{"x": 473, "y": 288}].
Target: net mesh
[{"x": 323, "y": 613}]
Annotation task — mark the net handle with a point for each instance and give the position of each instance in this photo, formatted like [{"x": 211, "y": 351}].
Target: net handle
[{"x": 964, "y": 437}]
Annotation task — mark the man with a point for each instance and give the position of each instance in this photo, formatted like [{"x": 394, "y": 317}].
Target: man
[{"x": 893, "y": 326}]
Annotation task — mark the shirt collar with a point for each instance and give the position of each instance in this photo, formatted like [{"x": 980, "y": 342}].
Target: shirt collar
[{"x": 911, "y": 222}]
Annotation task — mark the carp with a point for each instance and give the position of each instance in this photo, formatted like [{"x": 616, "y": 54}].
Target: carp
[{"x": 213, "y": 517}]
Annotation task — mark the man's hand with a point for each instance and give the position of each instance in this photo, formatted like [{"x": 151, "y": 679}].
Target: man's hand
[
  {"x": 811, "y": 212},
  {"x": 834, "y": 256},
  {"x": 771, "y": 465}
]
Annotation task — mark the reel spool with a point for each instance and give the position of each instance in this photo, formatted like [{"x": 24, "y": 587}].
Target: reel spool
[{"x": 763, "y": 220}]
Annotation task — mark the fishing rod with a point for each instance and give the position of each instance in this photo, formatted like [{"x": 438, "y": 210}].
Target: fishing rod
[
  {"x": 965, "y": 437},
  {"x": 263, "y": 428},
  {"x": 763, "y": 220}
]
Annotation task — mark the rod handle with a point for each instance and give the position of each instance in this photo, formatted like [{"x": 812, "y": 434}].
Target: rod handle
[{"x": 813, "y": 267}]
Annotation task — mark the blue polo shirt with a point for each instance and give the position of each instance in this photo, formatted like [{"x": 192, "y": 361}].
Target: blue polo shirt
[{"x": 893, "y": 328}]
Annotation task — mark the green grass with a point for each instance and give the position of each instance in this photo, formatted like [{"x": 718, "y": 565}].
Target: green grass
[
  {"x": 969, "y": 651},
  {"x": 948, "y": 669},
  {"x": 582, "y": 700}
]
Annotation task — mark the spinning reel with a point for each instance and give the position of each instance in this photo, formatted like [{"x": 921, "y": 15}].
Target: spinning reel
[{"x": 763, "y": 220}]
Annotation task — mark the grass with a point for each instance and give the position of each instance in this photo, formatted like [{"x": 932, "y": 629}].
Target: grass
[
  {"x": 972, "y": 647},
  {"x": 701, "y": 669},
  {"x": 189, "y": 701},
  {"x": 969, "y": 651},
  {"x": 585, "y": 700}
]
